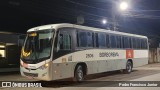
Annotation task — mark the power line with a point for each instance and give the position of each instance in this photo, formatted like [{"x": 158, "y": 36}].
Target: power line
[
  {"x": 141, "y": 16},
  {"x": 85, "y": 5},
  {"x": 145, "y": 10},
  {"x": 65, "y": 9}
]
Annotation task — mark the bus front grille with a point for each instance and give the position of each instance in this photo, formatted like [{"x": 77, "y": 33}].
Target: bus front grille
[{"x": 31, "y": 74}]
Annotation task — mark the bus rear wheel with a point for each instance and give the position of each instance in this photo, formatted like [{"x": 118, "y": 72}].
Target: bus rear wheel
[
  {"x": 79, "y": 74},
  {"x": 128, "y": 67}
]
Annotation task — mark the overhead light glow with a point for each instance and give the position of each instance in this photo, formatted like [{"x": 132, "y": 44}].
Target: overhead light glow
[
  {"x": 104, "y": 21},
  {"x": 123, "y": 5}
]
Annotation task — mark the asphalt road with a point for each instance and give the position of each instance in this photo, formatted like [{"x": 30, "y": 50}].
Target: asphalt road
[{"x": 101, "y": 81}]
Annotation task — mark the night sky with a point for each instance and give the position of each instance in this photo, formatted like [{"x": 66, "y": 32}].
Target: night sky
[{"x": 142, "y": 17}]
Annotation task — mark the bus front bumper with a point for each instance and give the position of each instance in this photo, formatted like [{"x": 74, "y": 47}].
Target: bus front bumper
[{"x": 35, "y": 73}]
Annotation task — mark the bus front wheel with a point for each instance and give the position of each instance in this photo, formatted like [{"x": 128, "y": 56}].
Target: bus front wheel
[{"x": 79, "y": 74}]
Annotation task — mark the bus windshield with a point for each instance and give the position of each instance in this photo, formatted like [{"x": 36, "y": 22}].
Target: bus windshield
[{"x": 37, "y": 46}]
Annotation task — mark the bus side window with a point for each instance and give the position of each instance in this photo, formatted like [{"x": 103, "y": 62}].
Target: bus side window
[
  {"x": 101, "y": 40},
  {"x": 118, "y": 41},
  {"x": 126, "y": 42},
  {"x": 89, "y": 39},
  {"x": 134, "y": 43},
  {"x": 145, "y": 44},
  {"x": 142, "y": 44},
  {"x": 96, "y": 39},
  {"x": 85, "y": 39},
  {"x": 130, "y": 42},
  {"x": 82, "y": 42},
  {"x": 113, "y": 41},
  {"x": 138, "y": 43},
  {"x": 122, "y": 41},
  {"x": 65, "y": 42},
  {"x": 107, "y": 41}
]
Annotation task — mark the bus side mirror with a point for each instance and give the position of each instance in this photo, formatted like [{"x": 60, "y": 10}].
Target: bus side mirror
[{"x": 21, "y": 40}]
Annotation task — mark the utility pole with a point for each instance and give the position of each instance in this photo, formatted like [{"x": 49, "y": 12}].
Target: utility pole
[
  {"x": 114, "y": 16},
  {"x": 123, "y": 6}
]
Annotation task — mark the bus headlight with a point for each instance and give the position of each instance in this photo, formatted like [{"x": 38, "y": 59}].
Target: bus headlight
[
  {"x": 44, "y": 66},
  {"x": 21, "y": 63}
]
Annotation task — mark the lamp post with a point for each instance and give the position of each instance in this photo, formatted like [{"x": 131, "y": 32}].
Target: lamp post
[{"x": 123, "y": 6}]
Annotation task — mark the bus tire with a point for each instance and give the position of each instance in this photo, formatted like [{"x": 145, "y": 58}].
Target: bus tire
[
  {"x": 128, "y": 69},
  {"x": 79, "y": 74}
]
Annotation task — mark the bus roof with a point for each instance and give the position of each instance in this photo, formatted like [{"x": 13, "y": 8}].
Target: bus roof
[{"x": 61, "y": 25}]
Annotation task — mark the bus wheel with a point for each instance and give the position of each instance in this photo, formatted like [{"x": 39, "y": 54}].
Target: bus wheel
[
  {"x": 79, "y": 74},
  {"x": 128, "y": 67}
]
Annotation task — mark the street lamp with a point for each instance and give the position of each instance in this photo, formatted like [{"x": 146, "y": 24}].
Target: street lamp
[
  {"x": 104, "y": 21},
  {"x": 123, "y": 5}
]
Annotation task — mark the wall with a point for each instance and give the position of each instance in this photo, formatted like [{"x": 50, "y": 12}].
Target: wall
[{"x": 154, "y": 55}]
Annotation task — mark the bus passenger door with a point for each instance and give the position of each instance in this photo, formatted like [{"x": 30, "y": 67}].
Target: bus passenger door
[
  {"x": 63, "y": 53},
  {"x": 64, "y": 44}
]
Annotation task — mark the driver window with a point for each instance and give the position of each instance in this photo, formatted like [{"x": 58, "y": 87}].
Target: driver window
[{"x": 65, "y": 42}]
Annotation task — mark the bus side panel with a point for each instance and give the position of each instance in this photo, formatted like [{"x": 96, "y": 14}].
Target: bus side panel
[
  {"x": 105, "y": 65},
  {"x": 98, "y": 60},
  {"x": 140, "y": 62},
  {"x": 140, "y": 58},
  {"x": 61, "y": 70},
  {"x": 66, "y": 70},
  {"x": 63, "y": 67}
]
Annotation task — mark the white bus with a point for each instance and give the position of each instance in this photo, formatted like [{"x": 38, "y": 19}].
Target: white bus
[{"x": 59, "y": 51}]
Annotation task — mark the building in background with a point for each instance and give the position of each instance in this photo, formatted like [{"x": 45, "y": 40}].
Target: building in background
[{"x": 10, "y": 48}]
